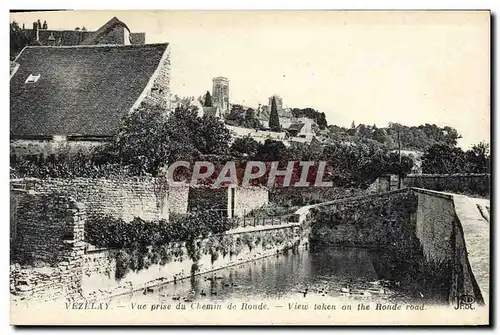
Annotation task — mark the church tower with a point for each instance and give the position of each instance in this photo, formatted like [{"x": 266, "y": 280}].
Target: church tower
[{"x": 220, "y": 93}]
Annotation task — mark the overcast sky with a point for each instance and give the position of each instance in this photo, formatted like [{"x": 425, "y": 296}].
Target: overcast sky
[{"x": 412, "y": 68}]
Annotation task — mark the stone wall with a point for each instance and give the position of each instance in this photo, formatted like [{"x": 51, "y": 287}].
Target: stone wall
[
  {"x": 100, "y": 265},
  {"x": 298, "y": 196},
  {"x": 157, "y": 93},
  {"x": 205, "y": 198},
  {"x": 473, "y": 184},
  {"x": 116, "y": 35},
  {"x": 448, "y": 229},
  {"x": 258, "y": 135},
  {"x": 125, "y": 198},
  {"x": 372, "y": 221},
  {"x": 242, "y": 199},
  {"x": 50, "y": 147},
  {"x": 451, "y": 228},
  {"x": 434, "y": 224},
  {"x": 47, "y": 247},
  {"x": 248, "y": 198},
  {"x": 144, "y": 197},
  {"x": 178, "y": 197}
]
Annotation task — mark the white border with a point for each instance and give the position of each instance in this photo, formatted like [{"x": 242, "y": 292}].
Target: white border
[{"x": 494, "y": 5}]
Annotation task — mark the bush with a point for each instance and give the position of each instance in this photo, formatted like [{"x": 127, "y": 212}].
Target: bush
[{"x": 144, "y": 243}]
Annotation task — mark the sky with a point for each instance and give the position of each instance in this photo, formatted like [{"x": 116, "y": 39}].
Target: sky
[{"x": 368, "y": 67}]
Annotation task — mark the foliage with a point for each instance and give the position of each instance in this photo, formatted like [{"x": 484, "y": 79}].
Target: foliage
[
  {"x": 150, "y": 140},
  {"x": 380, "y": 222},
  {"x": 274, "y": 120},
  {"x": 441, "y": 158},
  {"x": 208, "y": 100},
  {"x": 411, "y": 137},
  {"x": 319, "y": 118},
  {"x": 359, "y": 165},
  {"x": 446, "y": 159},
  {"x": 143, "y": 243},
  {"x": 93, "y": 162},
  {"x": 144, "y": 141},
  {"x": 240, "y": 117},
  {"x": 478, "y": 159},
  {"x": 244, "y": 146},
  {"x": 271, "y": 151},
  {"x": 108, "y": 232}
]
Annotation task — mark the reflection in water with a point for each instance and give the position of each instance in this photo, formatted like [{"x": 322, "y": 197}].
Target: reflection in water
[{"x": 346, "y": 273}]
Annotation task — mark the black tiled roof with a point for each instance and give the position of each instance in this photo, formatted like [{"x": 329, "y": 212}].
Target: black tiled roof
[
  {"x": 83, "y": 90},
  {"x": 296, "y": 126}
]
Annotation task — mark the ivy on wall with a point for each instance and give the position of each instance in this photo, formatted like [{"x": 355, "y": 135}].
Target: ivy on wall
[
  {"x": 145, "y": 243},
  {"x": 387, "y": 225},
  {"x": 378, "y": 222}
]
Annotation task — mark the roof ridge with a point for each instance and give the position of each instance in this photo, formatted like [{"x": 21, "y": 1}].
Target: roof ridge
[{"x": 98, "y": 45}]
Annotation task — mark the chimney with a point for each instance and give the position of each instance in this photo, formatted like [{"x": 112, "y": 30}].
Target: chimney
[{"x": 35, "y": 28}]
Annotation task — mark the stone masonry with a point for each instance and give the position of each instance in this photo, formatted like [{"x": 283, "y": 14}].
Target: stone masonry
[
  {"x": 125, "y": 198},
  {"x": 158, "y": 91},
  {"x": 47, "y": 247}
]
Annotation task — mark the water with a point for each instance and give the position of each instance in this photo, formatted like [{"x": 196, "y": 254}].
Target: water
[{"x": 347, "y": 274}]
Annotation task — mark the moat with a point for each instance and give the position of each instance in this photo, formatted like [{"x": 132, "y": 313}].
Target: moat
[{"x": 344, "y": 274}]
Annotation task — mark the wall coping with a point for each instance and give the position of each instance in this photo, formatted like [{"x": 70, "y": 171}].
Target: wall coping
[
  {"x": 440, "y": 194},
  {"x": 430, "y": 175},
  {"x": 473, "y": 228},
  {"x": 361, "y": 197},
  {"x": 13, "y": 181}
]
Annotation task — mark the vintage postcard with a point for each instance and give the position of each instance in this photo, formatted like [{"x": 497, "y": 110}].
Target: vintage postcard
[{"x": 250, "y": 168}]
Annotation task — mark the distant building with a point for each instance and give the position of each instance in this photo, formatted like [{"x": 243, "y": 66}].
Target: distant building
[
  {"x": 279, "y": 102},
  {"x": 78, "y": 95},
  {"x": 220, "y": 94},
  {"x": 258, "y": 135},
  {"x": 284, "y": 115},
  {"x": 302, "y": 129},
  {"x": 112, "y": 32}
]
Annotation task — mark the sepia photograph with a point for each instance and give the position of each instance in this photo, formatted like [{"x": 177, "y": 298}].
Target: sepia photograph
[{"x": 250, "y": 167}]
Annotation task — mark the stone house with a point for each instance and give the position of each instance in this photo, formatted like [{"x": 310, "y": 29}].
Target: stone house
[
  {"x": 303, "y": 129},
  {"x": 284, "y": 114},
  {"x": 77, "y": 96},
  {"x": 112, "y": 32}
]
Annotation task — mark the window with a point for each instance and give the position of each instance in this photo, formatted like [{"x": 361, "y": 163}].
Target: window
[{"x": 32, "y": 79}]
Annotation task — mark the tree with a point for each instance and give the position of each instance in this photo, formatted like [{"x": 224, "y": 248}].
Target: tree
[
  {"x": 478, "y": 159},
  {"x": 443, "y": 159},
  {"x": 353, "y": 125},
  {"x": 322, "y": 123},
  {"x": 251, "y": 119},
  {"x": 208, "y": 100},
  {"x": 149, "y": 140},
  {"x": 380, "y": 135},
  {"x": 250, "y": 114},
  {"x": 143, "y": 142},
  {"x": 207, "y": 134},
  {"x": 451, "y": 136},
  {"x": 244, "y": 146},
  {"x": 274, "y": 120},
  {"x": 236, "y": 116},
  {"x": 271, "y": 150}
]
